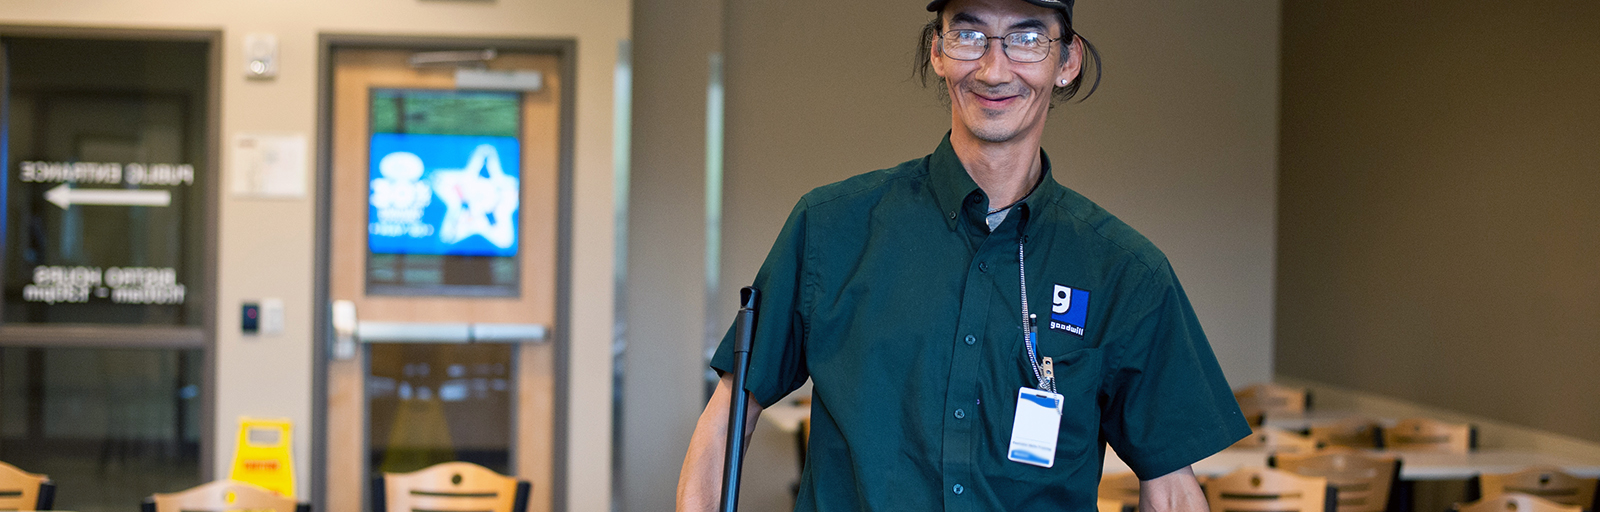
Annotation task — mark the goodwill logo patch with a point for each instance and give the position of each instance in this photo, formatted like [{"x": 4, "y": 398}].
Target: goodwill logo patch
[{"x": 1068, "y": 309}]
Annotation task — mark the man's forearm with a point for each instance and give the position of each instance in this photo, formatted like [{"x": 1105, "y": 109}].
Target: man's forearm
[
  {"x": 700, "y": 480},
  {"x": 1177, "y": 491}
]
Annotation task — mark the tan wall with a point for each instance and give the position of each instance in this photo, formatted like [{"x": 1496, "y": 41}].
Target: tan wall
[
  {"x": 1438, "y": 238},
  {"x": 267, "y": 246},
  {"x": 1180, "y": 141},
  {"x": 663, "y": 385}
]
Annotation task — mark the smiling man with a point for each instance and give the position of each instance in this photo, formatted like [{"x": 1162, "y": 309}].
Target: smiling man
[{"x": 977, "y": 333}]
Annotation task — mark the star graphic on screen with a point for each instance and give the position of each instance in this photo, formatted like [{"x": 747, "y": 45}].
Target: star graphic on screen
[{"x": 480, "y": 200}]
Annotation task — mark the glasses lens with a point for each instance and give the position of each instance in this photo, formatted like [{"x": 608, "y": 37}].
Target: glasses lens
[
  {"x": 965, "y": 44},
  {"x": 1027, "y": 46}
]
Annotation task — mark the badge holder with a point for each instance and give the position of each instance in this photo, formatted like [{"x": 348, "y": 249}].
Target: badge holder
[{"x": 733, "y": 458}]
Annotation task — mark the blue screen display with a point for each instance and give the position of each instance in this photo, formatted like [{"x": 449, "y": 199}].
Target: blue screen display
[{"x": 455, "y": 195}]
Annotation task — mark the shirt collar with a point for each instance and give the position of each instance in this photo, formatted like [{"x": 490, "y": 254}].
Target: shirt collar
[{"x": 952, "y": 186}]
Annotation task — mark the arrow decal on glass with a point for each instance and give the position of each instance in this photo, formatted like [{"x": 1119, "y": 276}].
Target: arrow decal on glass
[{"x": 65, "y": 196}]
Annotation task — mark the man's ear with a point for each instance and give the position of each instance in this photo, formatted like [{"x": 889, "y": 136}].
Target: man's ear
[
  {"x": 1074, "y": 64},
  {"x": 936, "y": 57}
]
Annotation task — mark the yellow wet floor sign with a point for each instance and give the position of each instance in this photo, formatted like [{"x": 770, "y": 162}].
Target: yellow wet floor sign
[{"x": 263, "y": 456}]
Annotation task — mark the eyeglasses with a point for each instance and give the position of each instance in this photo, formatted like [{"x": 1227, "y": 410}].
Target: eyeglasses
[{"x": 1023, "y": 47}]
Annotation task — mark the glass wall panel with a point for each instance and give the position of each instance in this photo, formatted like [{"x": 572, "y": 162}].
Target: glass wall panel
[
  {"x": 110, "y": 426},
  {"x": 103, "y": 173},
  {"x": 104, "y": 155}
]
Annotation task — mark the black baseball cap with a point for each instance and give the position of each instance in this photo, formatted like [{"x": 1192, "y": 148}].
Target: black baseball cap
[{"x": 1063, "y": 5}]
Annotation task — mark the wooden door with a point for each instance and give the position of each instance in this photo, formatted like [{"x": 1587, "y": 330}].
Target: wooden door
[{"x": 361, "y": 77}]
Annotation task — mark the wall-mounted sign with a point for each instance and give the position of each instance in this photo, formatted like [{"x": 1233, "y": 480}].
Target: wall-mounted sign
[{"x": 269, "y": 166}]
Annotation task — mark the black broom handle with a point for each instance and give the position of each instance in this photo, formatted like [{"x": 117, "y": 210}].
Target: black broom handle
[{"x": 733, "y": 459}]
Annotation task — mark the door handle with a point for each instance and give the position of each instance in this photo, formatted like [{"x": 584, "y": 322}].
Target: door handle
[{"x": 344, "y": 330}]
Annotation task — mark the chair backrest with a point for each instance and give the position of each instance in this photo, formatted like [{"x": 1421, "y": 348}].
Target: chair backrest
[
  {"x": 1277, "y": 440},
  {"x": 1271, "y": 399},
  {"x": 1120, "y": 487},
  {"x": 450, "y": 486},
  {"x": 1351, "y": 433},
  {"x": 21, "y": 490},
  {"x": 1545, "y": 482},
  {"x": 222, "y": 496},
  {"x": 1422, "y": 434},
  {"x": 1516, "y": 502},
  {"x": 1265, "y": 489},
  {"x": 1364, "y": 480}
]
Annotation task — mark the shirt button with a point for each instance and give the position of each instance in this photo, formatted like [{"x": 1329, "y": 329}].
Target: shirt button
[
  {"x": 983, "y": 267},
  {"x": 961, "y": 414},
  {"x": 952, "y": 214},
  {"x": 958, "y": 489},
  {"x": 971, "y": 339}
]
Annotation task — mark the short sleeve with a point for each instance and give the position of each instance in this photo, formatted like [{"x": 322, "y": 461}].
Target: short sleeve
[
  {"x": 777, "y": 355},
  {"x": 1167, "y": 402}
]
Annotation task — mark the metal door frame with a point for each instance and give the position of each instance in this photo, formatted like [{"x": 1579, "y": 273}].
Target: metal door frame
[{"x": 566, "y": 52}]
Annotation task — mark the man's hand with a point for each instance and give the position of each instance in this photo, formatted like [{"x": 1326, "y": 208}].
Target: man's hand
[
  {"x": 1177, "y": 491},
  {"x": 700, "y": 480}
]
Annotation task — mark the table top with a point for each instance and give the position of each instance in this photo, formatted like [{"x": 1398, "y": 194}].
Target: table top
[
  {"x": 1317, "y": 417},
  {"x": 1415, "y": 465}
]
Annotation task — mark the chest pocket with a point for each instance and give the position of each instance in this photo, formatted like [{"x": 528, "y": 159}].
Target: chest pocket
[{"x": 1078, "y": 375}]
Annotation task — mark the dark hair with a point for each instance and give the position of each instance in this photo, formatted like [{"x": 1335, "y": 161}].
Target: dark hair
[{"x": 1091, "y": 59}]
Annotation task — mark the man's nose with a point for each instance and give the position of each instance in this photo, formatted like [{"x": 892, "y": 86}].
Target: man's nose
[{"x": 994, "y": 67}]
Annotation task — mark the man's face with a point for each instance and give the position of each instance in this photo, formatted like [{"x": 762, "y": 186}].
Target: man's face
[{"x": 994, "y": 98}]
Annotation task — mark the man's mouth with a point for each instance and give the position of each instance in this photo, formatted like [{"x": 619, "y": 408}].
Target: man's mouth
[{"x": 994, "y": 101}]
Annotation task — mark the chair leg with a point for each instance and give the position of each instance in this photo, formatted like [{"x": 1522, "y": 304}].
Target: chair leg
[{"x": 1405, "y": 496}]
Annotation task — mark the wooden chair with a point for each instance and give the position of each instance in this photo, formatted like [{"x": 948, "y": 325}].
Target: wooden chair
[
  {"x": 1267, "y": 399},
  {"x": 1422, "y": 434},
  {"x": 222, "y": 496},
  {"x": 1515, "y": 502},
  {"x": 1264, "y": 489},
  {"x": 1546, "y": 482},
  {"x": 449, "y": 487},
  {"x": 1277, "y": 440},
  {"x": 1365, "y": 481},
  {"x": 1350, "y": 433},
  {"x": 21, "y": 490},
  {"x": 1120, "y": 487}
]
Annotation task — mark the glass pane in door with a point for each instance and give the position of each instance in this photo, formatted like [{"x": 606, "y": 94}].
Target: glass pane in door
[{"x": 439, "y": 402}]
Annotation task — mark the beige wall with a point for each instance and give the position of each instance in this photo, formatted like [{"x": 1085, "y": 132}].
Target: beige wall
[
  {"x": 1180, "y": 141},
  {"x": 266, "y": 246},
  {"x": 663, "y": 385},
  {"x": 1438, "y": 238}
]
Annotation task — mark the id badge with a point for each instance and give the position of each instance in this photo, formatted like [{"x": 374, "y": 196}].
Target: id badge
[{"x": 1034, "y": 430}]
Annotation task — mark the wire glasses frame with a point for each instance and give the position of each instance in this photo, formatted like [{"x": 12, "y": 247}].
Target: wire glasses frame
[{"x": 1022, "y": 47}]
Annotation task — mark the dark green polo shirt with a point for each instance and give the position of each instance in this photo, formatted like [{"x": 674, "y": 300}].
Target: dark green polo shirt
[{"x": 892, "y": 295}]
